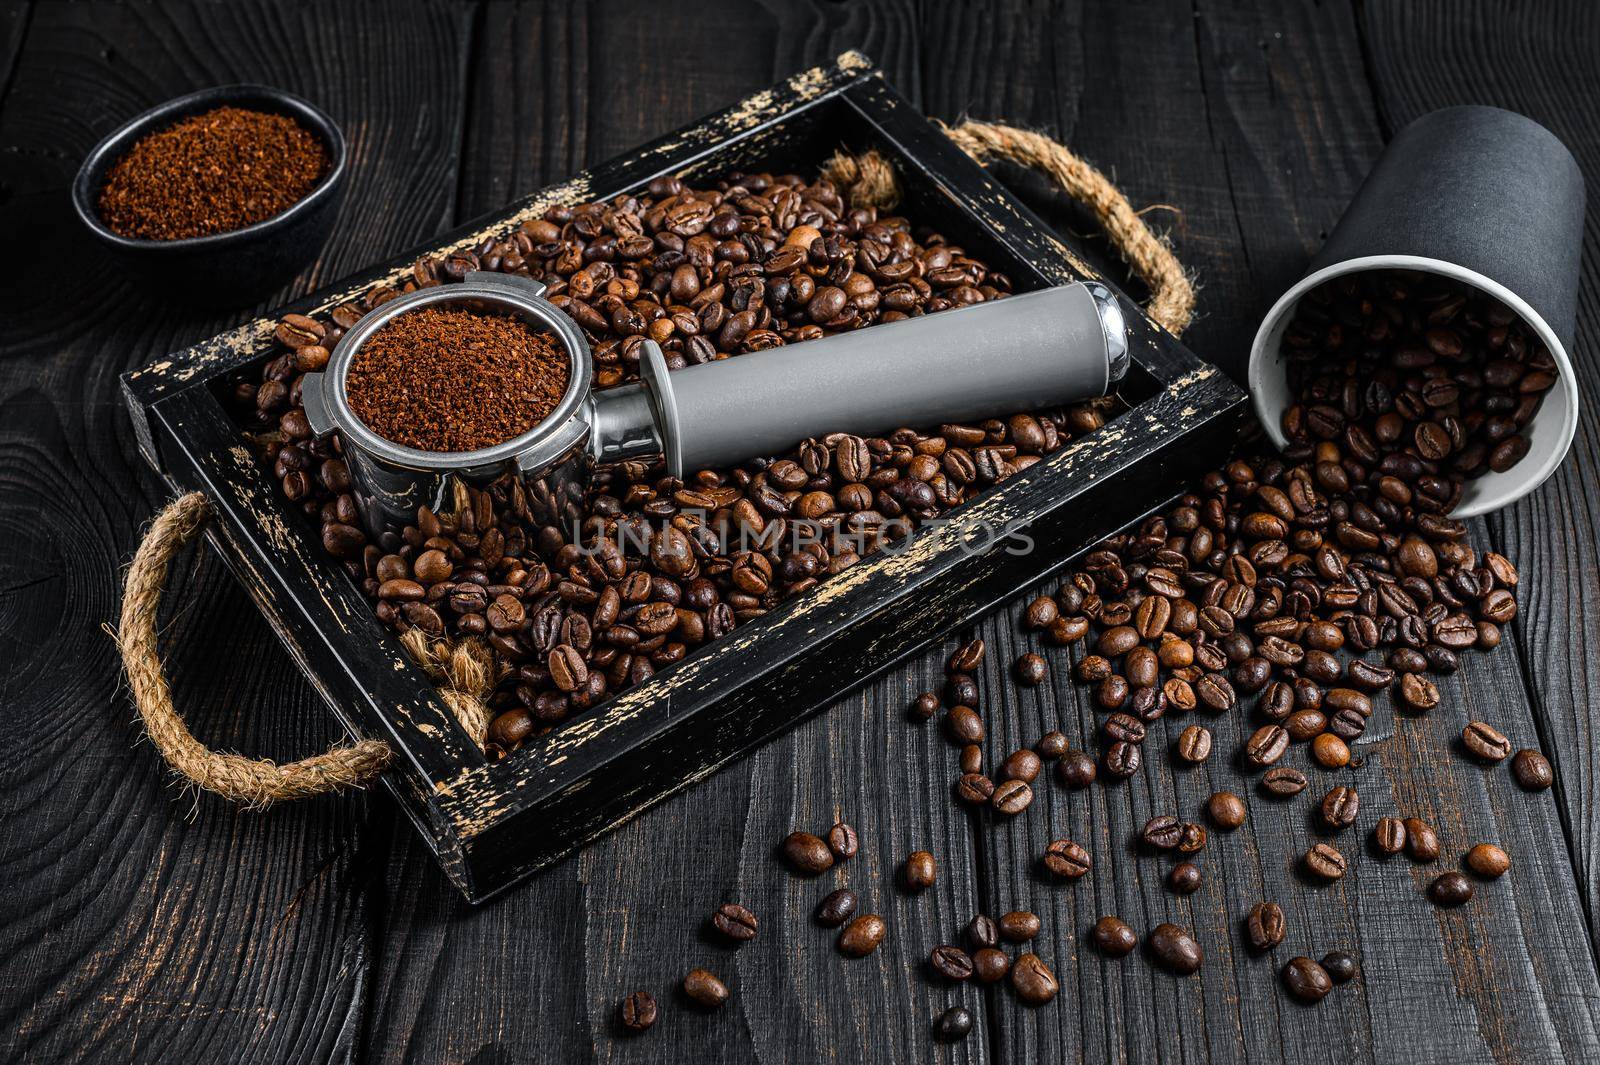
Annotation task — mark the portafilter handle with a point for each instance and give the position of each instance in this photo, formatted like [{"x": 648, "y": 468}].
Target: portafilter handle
[{"x": 1040, "y": 349}]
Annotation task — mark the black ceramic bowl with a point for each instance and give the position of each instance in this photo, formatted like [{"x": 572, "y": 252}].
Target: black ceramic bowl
[{"x": 235, "y": 267}]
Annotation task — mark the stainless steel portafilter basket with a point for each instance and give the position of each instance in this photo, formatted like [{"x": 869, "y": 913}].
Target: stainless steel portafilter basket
[{"x": 1024, "y": 352}]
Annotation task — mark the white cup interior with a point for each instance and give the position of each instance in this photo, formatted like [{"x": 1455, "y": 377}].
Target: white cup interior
[{"x": 1549, "y": 434}]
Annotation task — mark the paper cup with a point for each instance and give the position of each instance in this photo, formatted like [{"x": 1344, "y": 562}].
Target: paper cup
[{"x": 1486, "y": 197}]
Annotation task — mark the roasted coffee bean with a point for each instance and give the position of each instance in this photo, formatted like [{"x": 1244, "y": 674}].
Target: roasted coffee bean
[
  {"x": 1125, "y": 728},
  {"x": 1184, "y": 878},
  {"x": 1122, "y": 759},
  {"x": 953, "y": 1025},
  {"x": 1194, "y": 744},
  {"x": 1226, "y": 809},
  {"x": 638, "y": 1011},
  {"x": 1389, "y": 835},
  {"x": 963, "y": 725},
  {"x": 843, "y": 841},
  {"x": 966, "y": 658},
  {"x": 738, "y": 923},
  {"x": 1051, "y": 745},
  {"x": 1340, "y": 807},
  {"x": 1031, "y": 669},
  {"x": 1330, "y": 751},
  {"x": 1174, "y": 949},
  {"x": 1324, "y": 861},
  {"x": 1191, "y": 838},
  {"x": 1485, "y": 742},
  {"x": 1041, "y": 613},
  {"x": 1019, "y": 926},
  {"x": 1033, "y": 981},
  {"x": 924, "y": 706},
  {"x": 971, "y": 759},
  {"x": 1532, "y": 770},
  {"x": 982, "y": 932},
  {"x": 1283, "y": 781},
  {"x": 1305, "y": 725},
  {"x": 1266, "y": 745},
  {"x": 974, "y": 789},
  {"x": 1340, "y": 966},
  {"x": 952, "y": 963},
  {"x": 1450, "y": 889},
  {"x": 1488, "y": 861},
  {"x": 1264, "y": 926},
  {"x": 807, "y": 854},
  {"x": 1306, "y": 981},
  {"x": 1011, "y": 797},
  {"x": 861, "y": 936},
  {"x": 1113, "y": 937},
  {"x": 1417, "y": 692},
  {"x": 1162, "y": 832},
  {"x": 990, "y": 965},
  {"x": 1422, "y": 843},
  {"x": 836, "y": 908},
  {"x": 961, "y": 690},
  {"x": 919, "y": 871},
  {"x": 1076, "y": 769},
  {"x": 704, "y": 989},
  {"x": 1021, "y": 765},
  {"x": 1065, "y": 860}
]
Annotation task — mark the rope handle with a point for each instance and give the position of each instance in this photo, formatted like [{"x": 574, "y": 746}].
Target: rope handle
[
  {"x": 255, "y": 782},
  {"x": 870, "y": 180}
]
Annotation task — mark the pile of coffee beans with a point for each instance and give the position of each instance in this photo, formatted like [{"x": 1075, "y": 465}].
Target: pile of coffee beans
[
  {"x": 211, "y": 173},
  {"x": 758, "y": 261},
  {"x": 446, "y": 379}
]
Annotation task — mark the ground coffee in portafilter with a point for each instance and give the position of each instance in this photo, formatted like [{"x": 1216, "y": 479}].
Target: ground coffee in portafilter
[
  {"x": 446, "y": 379},
  {"x": 211, "y": 173}
]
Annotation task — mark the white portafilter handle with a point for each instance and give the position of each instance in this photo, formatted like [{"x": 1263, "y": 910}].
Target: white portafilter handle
[{"x": 1019, "y": 353}]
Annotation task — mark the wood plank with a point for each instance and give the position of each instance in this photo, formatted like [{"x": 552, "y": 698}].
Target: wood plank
[
  {"x": 628, "y": 912},
  {"x": 1258, "y": 125},
  {"x": 139, "y": 923},
  {"x": 1542, "y": 63}
]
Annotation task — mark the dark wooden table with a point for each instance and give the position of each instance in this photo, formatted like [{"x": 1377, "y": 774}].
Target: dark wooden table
[{"x": 138, "y": 923}]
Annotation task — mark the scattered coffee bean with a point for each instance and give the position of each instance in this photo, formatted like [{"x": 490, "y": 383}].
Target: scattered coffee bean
[
  {"x": 1283, "y": 781},
  {"x": 1065, "y": 860},
  {"x": 966, "y": 658},
  {"x": 924, "y": 706},
  {"x": 974, "y": 789},
  {"x": 1389, "y": 835},
  {"x": 1532, "y": 770},
  {"x": 953, "y": 1025},
  {"x": 1306, "y": 981},
  {"x": 1330, "y": 751},
  {"x": 970, "y": 759},
  {"x": 1267, "y": 745},
  {"x": 1174, "y": 949},
  {"x": 1076, "y": 769},
  {"x": 736, "y": 922},
  {"x": 1485, "y": 742},
  {"x": 1033, "y": 981},
  {"x": 1011, "y": 797},
  {"x": 952, "y": 963},
  {"x": 638, "y": 1011},
  {"x": 1194, "y": 744},
  {"x": 704, "y": 989},
  {"x": 1023, "y": 765},
  {"x": 1051, "y": 745},
  {"x": 1184, "y": 878},
  {"x": 861, "y": 936},
  {"x": 1488, "y": 861},
  {"x": 1122, "y": 759},
  {"x": 1191, "y": 838},
  {"x": 990, "y": 965},
  {"x": 1264, "y": 926},
  {"x": 1340, "y": 807},
  {"x": 1324, "y": 861},
  {"x": 963, "y": 725},
  {"x": 1113, "y": 937},
  {"x": 1418, "y": 692},
  {"x": 919, "y": 871},
  {"x": 982, "y": 931},
  {"x": 807, "y": 854},
  {"x": 1450, "y": 889},
  {"x": 1031, "y": 669},
  {"x": 843, "y": 841},
  {"x": 836, "y": 908},
  {"x": 1019, "y": 926},
  {"x": 1340, "y": 966},
  {"x": 1226, "y": 809},
  {"x": 1162, "y": 832},
  {"x": 1422, "y": 843}
]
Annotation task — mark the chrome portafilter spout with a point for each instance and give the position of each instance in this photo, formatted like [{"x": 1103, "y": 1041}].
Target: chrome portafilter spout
[{"x": 1040, "y": 349}]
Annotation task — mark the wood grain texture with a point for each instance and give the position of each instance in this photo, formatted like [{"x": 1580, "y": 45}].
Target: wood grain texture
[
  {"x": 1541, "y": 63},
  {"x": 138, "y": 922}
]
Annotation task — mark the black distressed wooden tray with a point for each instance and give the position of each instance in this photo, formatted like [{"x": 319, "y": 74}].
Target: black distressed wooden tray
[{"x": 491, "y": 823}]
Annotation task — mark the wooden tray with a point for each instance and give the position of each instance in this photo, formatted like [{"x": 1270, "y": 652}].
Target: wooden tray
[{"x": 491, "y": 823}]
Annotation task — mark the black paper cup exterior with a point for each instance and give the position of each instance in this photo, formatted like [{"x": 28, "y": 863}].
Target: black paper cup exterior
[{"x": 1489, "y": 198}]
